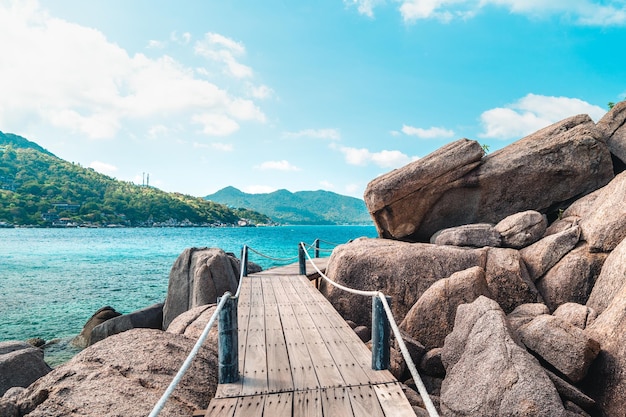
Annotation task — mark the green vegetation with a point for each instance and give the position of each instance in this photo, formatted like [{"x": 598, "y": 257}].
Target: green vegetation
[
  {"x": 37, "y": 188},
  {"x": 302, "y": 207},
  {"x": 610, "y": 105}
]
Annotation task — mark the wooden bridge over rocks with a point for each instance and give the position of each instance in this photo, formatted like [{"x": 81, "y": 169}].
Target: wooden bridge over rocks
[{"x": 285, "y": 351}]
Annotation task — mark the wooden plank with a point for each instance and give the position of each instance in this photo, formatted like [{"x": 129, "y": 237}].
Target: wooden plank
[
  {"x": 307, "y": 404},
  {"x": 393, "y": 401},
  {"x": 364, "y": 401},
  {"x": 327, "y": 373},
  {"x": 255, "y": 362},
  {"x": 346, "y": 363},
  {"x": 354, "y": 345},
  {"x": 279, "y": 405},
  {"x": 251, "y": 406},
  {"x": 302, "y": 368},
  {"x": 222, "y": 407},
  {"x": 336, "y": 403},
  {"x": 278, "y": 365}
]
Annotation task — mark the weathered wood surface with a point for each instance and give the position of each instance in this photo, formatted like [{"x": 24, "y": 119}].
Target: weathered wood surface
[{"x": 298, "y": 357}]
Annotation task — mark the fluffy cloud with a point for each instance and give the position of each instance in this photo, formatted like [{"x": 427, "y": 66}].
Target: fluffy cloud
[
  {"x": 103, "y": 167},
  {"x": 583, "y": 12},
  {"x": 59, "y": 74},
  {"x": 384, "y": 159},
  {"x": 430, "y": 133},
  {"x": 224, "y": 50},
  {"x": 532, "y": 113},
  {"x": 258, "y": 189},
  {"x": 282, "y": 165},
  {"x": 331, "y": 134}
]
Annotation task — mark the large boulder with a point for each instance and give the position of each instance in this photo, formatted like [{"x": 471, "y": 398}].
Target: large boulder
[
  {"x": 508, "y": 280},
  {"x": 522, "y": 229},
  {"x": 146, "y": 318},
  {"x": 572, "y": 279},
  {"x": 611, "y": 280},
  {"x": 125, "y": 375},
  {"x": 602, "y": 215},
  {"x": 544, "y": 254},
  {"x": 401, "y": 200},
  {"x": 473, "y": 235},
  {"x": 21, "y": 364},
  {"x": 401, "y": 270},
  {"x": 198, "y": 277},
  {"x": 488, "y": 374},
  {"x": 576, "y": 314},
  {"x": 192, "y": 323},
  {"x": 606, "y": 380},
  {"x": 103, "y": 314},
  {"x": 431, "y": 318},
  {"x": 455, "y": 186},
  {"x": 566, "y": 347},
  {"x": 613, "y": 128}
]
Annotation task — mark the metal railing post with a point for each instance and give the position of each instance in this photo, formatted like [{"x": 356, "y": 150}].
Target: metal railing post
[
  {"x": 228, "y": 344},
  {"x": 244, "y": 261},
  {"x": 317, "y": 248},
  {"x": 301, "y": 259},
  {"x": 380, "y": 335}
]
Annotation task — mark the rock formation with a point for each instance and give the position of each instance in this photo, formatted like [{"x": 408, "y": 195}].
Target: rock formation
[
  {"x": 198, "y": 277},
  {"x": 542, "y": 223},
  {"x": 124, "y": 374}
]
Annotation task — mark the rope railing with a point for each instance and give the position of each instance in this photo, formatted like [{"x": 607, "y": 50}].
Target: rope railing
[
  {"x": 376, "y": 345},
  {"x": 226, "y": 315}
]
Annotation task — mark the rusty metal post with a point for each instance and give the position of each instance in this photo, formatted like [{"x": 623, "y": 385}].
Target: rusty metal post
[
  {"x": 301, "y": 259},
  {"x": 244, "y": 260},
  {"x": 228, "y": 344},
  {"x": 380, "y": 335}
]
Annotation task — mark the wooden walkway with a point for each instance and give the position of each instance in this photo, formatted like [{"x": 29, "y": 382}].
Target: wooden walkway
[{"x": 298, "y": 357}]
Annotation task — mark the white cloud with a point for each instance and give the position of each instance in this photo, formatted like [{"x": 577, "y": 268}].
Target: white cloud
[
  {"x": 365, "y": 7},
  {"x": 216, "y": 124},
  {"x": 103, "y": 167},
  {"x": 261, "y": 91},
  {"x": 224, "y": 147},
  {"x": 224, "y": 50},
  {"x": 531, "y": 113},
  {"x": 258, "y": 189},
  {"x": 582, "y": 12},
  {"x": 282, "y": 165},
  {"x": 154, "y": 44},
  {"x": 331, "y": 134},
  {"x": 60, "y": 74},
  {"x": 327, "y": 185},
  {"x": 384, "y": 159},
  {"x": 430, "y": 133}
]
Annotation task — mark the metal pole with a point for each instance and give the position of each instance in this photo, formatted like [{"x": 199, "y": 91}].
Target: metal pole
[
  {"x": 228, "y": 344},
  {"x": 244, "y": 261},
  {"x": 301, "y": 259},
  {"x": 317, "y": 248},
  {"x": 380, "y": 335}
]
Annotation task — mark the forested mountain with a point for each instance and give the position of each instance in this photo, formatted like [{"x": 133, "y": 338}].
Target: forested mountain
[
  {"x": 37, "y": 188},
  {"x": 301, "y": 207}
]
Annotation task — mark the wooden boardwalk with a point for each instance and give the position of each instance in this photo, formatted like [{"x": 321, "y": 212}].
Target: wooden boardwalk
[{"x": 298, "y": 357}]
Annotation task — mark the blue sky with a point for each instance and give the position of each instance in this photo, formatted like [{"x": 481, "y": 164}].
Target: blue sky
[{"x": 272, "y": 94}]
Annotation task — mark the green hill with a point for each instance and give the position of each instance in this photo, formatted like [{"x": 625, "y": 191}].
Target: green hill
[
  {"x": 302, "y": 207},
  {"x": 37, "y": 188}
]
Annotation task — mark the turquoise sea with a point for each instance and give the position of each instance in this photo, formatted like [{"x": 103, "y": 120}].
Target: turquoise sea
[{"x": 53, "y": 280}]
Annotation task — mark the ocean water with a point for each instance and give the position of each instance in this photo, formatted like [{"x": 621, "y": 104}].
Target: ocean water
[{"x": 53, "y": 280}]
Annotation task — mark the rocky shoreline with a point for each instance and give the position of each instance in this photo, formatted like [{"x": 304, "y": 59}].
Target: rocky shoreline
[{"x": 507, "y": 273}]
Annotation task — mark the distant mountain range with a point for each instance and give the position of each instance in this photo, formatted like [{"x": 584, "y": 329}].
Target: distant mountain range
[
  {"x": 299, "y": 208},
  {"x": 39, "y": 189}
]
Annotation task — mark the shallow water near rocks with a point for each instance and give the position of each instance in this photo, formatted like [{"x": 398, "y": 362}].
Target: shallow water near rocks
[{"x": 53, "y": 280}]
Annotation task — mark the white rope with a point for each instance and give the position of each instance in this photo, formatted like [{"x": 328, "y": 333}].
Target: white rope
[
  {"x": 181, "y": 372},
  {"x": 432, "y": 411}
]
